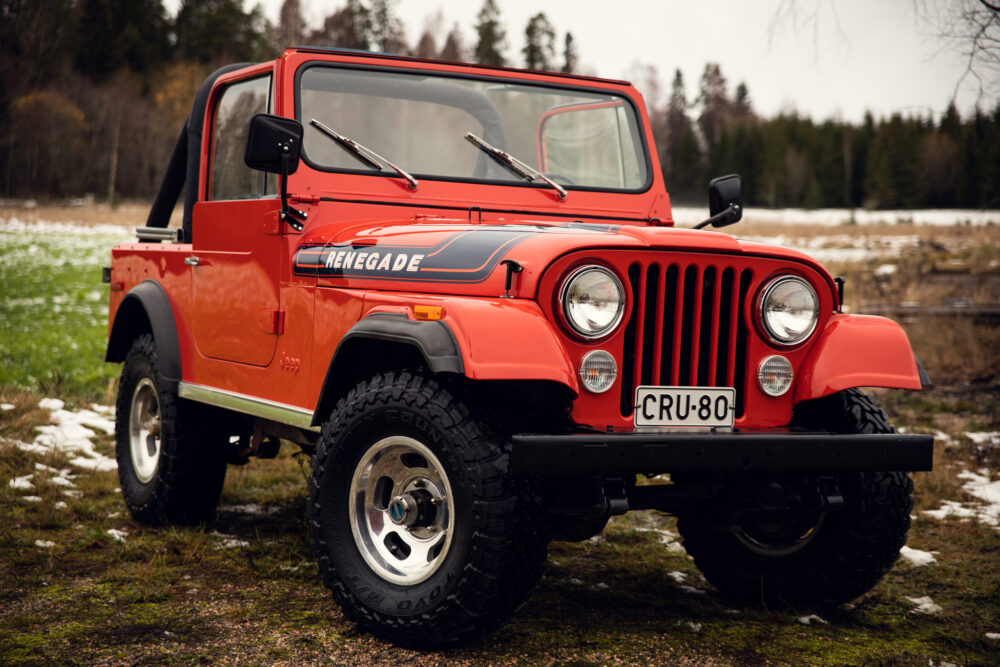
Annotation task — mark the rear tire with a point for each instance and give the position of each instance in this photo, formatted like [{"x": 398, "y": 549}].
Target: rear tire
[
  {"x": 400, "y": 448},
  {"x": 819, "y": 558},
  {"x": 170, "y": 468}
]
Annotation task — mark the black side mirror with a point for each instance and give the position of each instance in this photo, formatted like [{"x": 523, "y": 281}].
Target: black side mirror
[
  {"x": 725, "y": 205},
  {"x": 274, "y": 144}
]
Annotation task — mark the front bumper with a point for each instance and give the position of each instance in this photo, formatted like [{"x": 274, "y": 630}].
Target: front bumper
[{"x": 705, "y": 452}]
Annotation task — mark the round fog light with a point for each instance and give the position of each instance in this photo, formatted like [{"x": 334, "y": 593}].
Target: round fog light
[
  {"x": 775, "y": 375},
  {"x": 598, "y": 371}
]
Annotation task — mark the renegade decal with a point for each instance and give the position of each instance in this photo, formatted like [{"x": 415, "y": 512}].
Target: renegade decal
[{"x": 466, "y": 257}]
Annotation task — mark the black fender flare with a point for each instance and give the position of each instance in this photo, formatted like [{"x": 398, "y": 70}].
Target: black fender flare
[
  {"x": 433, "y": 339},
  {"x": 146, "y": 309}
]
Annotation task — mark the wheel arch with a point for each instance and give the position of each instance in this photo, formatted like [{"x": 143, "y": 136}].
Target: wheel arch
[
  {"x": 146, "y": 309},
  {"x": 383, "y": 342}
]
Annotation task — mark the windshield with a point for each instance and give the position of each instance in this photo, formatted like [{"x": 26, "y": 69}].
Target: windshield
[{"x": 578, "y": 138}]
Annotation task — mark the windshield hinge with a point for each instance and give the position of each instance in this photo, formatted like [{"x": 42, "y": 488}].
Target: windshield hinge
[
  {"x": 304, "y": 199},
  {"x": 479, "y": 214}
]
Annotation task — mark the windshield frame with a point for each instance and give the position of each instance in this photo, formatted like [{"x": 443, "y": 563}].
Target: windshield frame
[{"x": 641, "y": 129}]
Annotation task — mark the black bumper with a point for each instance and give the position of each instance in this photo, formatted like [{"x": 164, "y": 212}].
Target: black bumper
[{"x": 678, "y": 452}]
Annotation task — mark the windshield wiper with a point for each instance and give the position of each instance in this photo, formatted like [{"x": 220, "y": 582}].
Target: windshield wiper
[
  {"x": 523, "y": 170},
  {"x": 363, "y": 153}
]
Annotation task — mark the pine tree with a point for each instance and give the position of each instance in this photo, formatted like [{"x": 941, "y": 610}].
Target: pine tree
[
  {"x": 291, "y": 26},
  {"x": 539, "y": 43},
  {"x": 350, "y": 27},
  {"x": 570, "y": 57},
  {"x": 121, "y": 34},
  {"x": 387, "y": 29},
  {"x": 492, "y": 38},
  {"x": 217, "y": 31},
  {"x": 453, "y": 49}
]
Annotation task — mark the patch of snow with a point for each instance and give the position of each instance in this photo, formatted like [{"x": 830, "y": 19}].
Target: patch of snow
[
  {"x": 248, "y": 508},
  {"x": 22, "y": 483},
  {"x": 61, "y": 481},
  {"x": 693, "y": 591},
  {"x": 885, "y": 269},
  {"x": 980, "y": 486},
  {"x": 677, "y": 576},
  {"x": 44, "y": 544},
  {"x": 117, "y": 535},
  {"x": 916, "y": 557},
  {"x": 72, "y": 433},
  {"x": 812, "y": 618},
  {"x": 694, "y": 626},
  {"x": 62, "y": 228},
  {"x": 72, "y": 493},
  {"x": 31, "y": 499},
  {"x": 685, "y": 216},
  {"x": 993, "y": 636},
  {"x": 6, "y": 406},
  {"x": 985, "y": 438},
  {"x": 286, "y": 568},
  {"x": 925, "y": 605},
  {"x": 229, "y": 541},
  {"x": 731, "y": 612},
  {"x": 601, "y": 586},
  {"x": 665, "y": 537},
  {"x": 576, "y": 582},
  {"x": 60, "y": 505}
]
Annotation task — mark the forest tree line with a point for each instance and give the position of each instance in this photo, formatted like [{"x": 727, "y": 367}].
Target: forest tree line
[{"x": 94, "y": 92}]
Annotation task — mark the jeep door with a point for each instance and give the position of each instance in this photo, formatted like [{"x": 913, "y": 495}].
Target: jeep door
[{"x": 236, "y": 250}]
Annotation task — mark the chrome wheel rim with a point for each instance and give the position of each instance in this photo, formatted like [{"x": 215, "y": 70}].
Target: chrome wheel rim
[
  {"x": 145, "y": 440},
  {"x": 401, "y": 510}
]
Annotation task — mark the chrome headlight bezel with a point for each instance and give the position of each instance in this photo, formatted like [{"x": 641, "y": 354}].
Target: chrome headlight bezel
[
  {"x": 772, "y": 332},
  {"x": 578, "y": 329}
]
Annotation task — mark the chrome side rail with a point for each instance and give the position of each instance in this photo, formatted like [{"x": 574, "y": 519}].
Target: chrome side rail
[{"x": 250, "y": 405}]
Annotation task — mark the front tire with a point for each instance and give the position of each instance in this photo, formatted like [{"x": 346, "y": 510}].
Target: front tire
[
  {"x": 170, "y": 471},
  {"x": 818, "y": 557},
  {"x": 420, "y": 532}
]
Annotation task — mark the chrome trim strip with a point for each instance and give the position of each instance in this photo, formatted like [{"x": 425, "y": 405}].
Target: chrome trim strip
[{"x": 251, "y": 405}]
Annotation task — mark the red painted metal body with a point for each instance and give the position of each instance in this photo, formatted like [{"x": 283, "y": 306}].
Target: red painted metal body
[{"x": 256, "y": 316}]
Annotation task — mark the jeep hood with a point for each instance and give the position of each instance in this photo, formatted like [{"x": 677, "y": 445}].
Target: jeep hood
[{"x": 457, "y": 257}]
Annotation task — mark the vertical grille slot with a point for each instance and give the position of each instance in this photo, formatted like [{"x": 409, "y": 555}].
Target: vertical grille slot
[{"x": 686, "y": 328}]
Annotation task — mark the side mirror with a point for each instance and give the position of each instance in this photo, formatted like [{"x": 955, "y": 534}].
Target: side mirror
[
  {"x": 725, "y": 205},
  {"x": 274, "y": 144}
]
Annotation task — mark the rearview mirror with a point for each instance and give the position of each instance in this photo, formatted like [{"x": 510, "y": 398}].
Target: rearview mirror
[
  {"x": 725, "y": 205},
  {"x": 274, "y": 144},
  {"x": 723, "y": 196}
]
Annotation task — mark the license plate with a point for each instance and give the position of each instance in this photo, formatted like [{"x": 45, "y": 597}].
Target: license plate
[{"x": 685, "y": 406}]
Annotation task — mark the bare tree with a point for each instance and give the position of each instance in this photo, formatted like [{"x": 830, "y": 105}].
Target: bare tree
[{"x": 970, "y": 28}]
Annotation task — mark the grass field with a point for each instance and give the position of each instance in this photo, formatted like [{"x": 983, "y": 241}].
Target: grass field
[{"x": 80, "y": 582}]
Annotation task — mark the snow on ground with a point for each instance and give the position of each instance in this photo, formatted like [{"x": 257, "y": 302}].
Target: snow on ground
[
  {"x": 916, "y": 557},
  {"x": 813, "y": 618},
  {"x": 986, "y": 491},
  {"x": 17, "y": 225},
  {"x": 924, "y": 605},
  {"x": 72, "y": 433},
  {"x": 689, "y": 215}
]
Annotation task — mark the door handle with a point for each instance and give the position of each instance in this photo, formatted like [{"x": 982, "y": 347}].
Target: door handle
[{"x": 191, "y": 261}]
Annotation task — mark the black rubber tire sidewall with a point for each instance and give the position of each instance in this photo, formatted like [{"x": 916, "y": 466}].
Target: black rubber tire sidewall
[
  {"x": 855, "y": 546},
  {"x": 497, "y": 550}
]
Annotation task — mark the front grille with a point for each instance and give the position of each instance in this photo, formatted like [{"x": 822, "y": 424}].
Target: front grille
[{"x": 686, "y": 328}]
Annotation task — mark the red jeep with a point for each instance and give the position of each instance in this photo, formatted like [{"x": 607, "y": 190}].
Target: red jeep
[{"x": 461, "y": 288}]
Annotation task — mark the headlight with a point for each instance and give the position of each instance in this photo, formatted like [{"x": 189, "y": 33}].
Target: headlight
[
  {"x": 593, "y": 301},
  {"x": 789, "y": 310}
]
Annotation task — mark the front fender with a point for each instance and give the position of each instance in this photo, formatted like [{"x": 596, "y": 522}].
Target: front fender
[
  {"x": 508, "y": 339},
  {"x": 858, "y": 351}
]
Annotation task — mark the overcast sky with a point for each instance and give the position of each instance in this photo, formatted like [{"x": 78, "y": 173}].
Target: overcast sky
[{"x": 859, "y": 54}]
